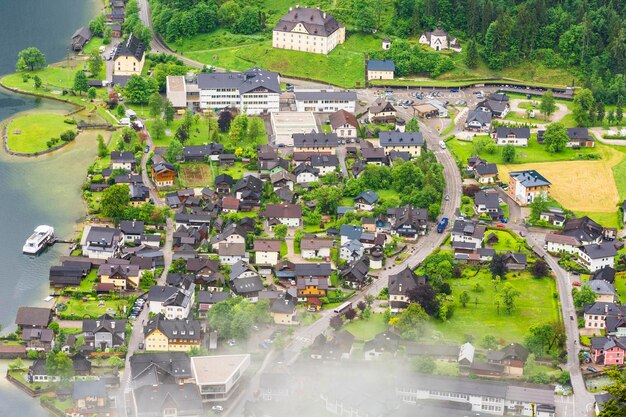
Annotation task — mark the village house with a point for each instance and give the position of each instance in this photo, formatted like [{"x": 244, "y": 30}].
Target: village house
[
  {"x": 101, "y": 242},
  {"x": 407, "y": 221},
  {"x": 559, "y": 243},
  {"x": 161, "y": 334},
  {"x": 163, "y": 174},
  {"x": 245, "y": 281},
  {"x": 89, "y": 398},
  {"x": 173, "y": 302},
  {"x": 411, "y": 142},
  {"x": 267, "y": 252},
  {"x": 596, "y": 256},
  {"x": 309, "y": 30},
  {"x": 578, "y": 137},
  {"x": 381, "y": 112},
  {"x": 37, "y": 372},
  {"x": 223, "y": 184},
  {"x": 321, "y": 143},
  {"x": 325, "y": 101},
  {"x": 231, "y": 253},
  {"x": 325, "y": 164},
  {"x": 38, "y": 339},
  {"x": 512, "y": 357},
  {"x": 129, "y": 57},
  {"x": 555, "y": 216},
  {"x": 355, "y": 274},
  {"x": 525, "y": 186},
  {"x": 132, "y": 230},
  {"x": 282, "y": 179},
  {"x": 608, "y": 351},
  {"x": 349, "y": 232},
  {"x": 123, "y": 160},
  {"x": 385, "y": 343},
  {"x": 604, "y": 290},
  {"x": 69, "y": 273},
  {"x": 288, "y": 214},
  {"x": 315, "y": 248},
  {"x": 597, "y": 314},
  {"x": 123, "y": 277},
  {"x": 467, "y": 236},
  {"x": 380, "y": 69},
  {"x": 344, "y": 124},
  {"x": 351, "y": 250},
  {"x": 496, "y": 104},
  {"x": 366, "y": 201},
  {"x": 103, "y": 333},
  {"x": 374, "y": 155},
  {"x": 33, "y": 318},
  {"x": 485, "y": 173},
  {"x": 439, "y": 40},
  {"x": 487, "y": 203},
  {"x": 305, "y": 173},
  {"x": 399, "y": 286},
  {"x": 478, "y": 121},
  {"x": 207, "y": 299},
  {"x": 80, "y": 38},
  {"x": 584, "y": 229},
  {"x": 232, "y": 233},
  {"x": 202, "y": 153},
  {"x": 516, "y": 136},
  {"x": 283, "y": 310},
  {"x": 230, "y": 204}
]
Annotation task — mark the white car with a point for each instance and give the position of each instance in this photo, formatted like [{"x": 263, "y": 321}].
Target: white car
[{"x": 442, "y": 144}]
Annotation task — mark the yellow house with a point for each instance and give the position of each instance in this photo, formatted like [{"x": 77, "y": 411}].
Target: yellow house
[
  {"x": 323, "y": 143},
  {"x": 380, "y": 69},
  {"x": 283, "y": 310},
  {"x": 129, "y": 57},
  {"x": 161, "y": 334},
  {"x": 308, "y": 30},
  {"x": 124, "y": 277}
]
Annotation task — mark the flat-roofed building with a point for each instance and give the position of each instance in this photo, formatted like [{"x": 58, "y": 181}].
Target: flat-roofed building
[
  {"x": 286, "y": 124},
  {"x": 217, "y": 377},
  {"x": 325, "y": 101}
]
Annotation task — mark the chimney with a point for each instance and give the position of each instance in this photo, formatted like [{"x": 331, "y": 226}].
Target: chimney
[
  {"x": 113, "y": 324},
  {"x": 324, "y": 15},
  {"x": 97, "y": 323},
  {"x": 606, "y": 308},
  {"x": 291, "y": 8}
]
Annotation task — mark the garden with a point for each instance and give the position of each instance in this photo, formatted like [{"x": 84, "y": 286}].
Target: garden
[{"x": 32, "y": 133}]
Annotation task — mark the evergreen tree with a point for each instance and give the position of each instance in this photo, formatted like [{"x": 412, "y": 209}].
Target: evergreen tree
[
  {"x": 471, "y": 57},
  {"x": 80, "y": 82}
]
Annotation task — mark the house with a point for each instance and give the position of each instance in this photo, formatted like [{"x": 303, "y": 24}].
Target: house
[
  {"x": 232, "y": 233},
  {"x": 315, "y": 248},
  {"x": 282, "y": 180},
  {"x": 311, "y": 290},
  {"x": 381, "y": 112},
  {"x": 132, "y": 230},
  {"x": 101, "y": 242},
  {"x": 288, "y": 214},
  {"x": 245, "y": 281},
  {"x": 399, "y": 286},
  {"x": 181, "y": 400},
  {"x": 487, "y": 203},
  {"x": 478, "y": 121},
  {"x": 609, "y": 350},
  {"x": 559, "y": 243},
  {"x": 123, "y": 277},
  {"x": 380, "y": 69},
  {"x": 408, "y": 221},
  {"x": 129, "y": 57},
  {"x": 411, "y": 142},
  {"x": 325, "y": 164},
  {"x": 496, "y": 104},
  {"x": 578, "y": 137},
  {"x": 38, "y": 339},
  {"x": 596, "y": 256},
  {"x": 283, "y": 310},
  {"x": 344, "y": 124},
  {"x": 33, "y": 318},
  {"x": 80, "y": 38},
  {"x": 605, "y": 291},
  {"x": 89, "y": 397},
  {"x": 348, "y": 232},
  {"x": 308, "y": 30},
  {"x": 173, "y": 302},
  {"x": 70, "y": 273},
  {"x": 161, "y": 334},
  {"x": 116, "y": 31},
  {"x": 374, "y": 155},
  {"x": 325, "y": 101},
  {"x": 366, "y": 201},
  {"x": 351, "y": 250},
  {"x": 218, "y": 377},
  {"x": 597, "y": 314},
  {"x": 248, "y": 186},
  {"x": 466, "y": 355},
  {"x": 321, "y": 143},
  {"x": 339, "y": 347},
  {"x": 251, "y": 92},
  {"x": 267, "y": 252},
  {"x": 604, "y": 274},
  {"x": 525, "y": 186},
  {"x": 516, "y": 136},
  {"x": 37, "y": 372},
  {"x": 355, "y": 274},
  {"x": 201, "y": 153},
  {"x": 467, "y": 236},
  {"x": 149, "y": 369},
  {"x": 386, "y": 44},
  {"x": 385, "y": 343},
  {"x": 207, "y": 299},
  {"x": 103, "y": 333},
  {"x": 584, "y": 229},
  {"x": 163, "y": 174},
  {"x": 223, "y": 184},
  {"x": 231, "y": 253},
  {"x": 439, "y": 40},
  {"x": 515, "y": 261},
  {"x": 230, "y": 204},
  {"x": 554, "y": 216},
  {"x": 123, "y": 160},
  {"x": 305, "y": 174},
  {"x": 139, "y": 194}
]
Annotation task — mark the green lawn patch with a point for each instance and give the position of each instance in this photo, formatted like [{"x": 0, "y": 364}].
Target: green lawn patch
[
  {"x": 619, "y": 174},
  {"x": 283, "y": 249},
  {"x": 537, "y": 304},
  {"x": 606, "y": 219},
  {"x": 620, "y": 286},
  {"x": 506, "y": 241},
  {"x": 236, "y": 171},
  {"x": 93, "y": 45},
  {"x": 29, "y": 133},
  {"x": 87, "y": 284},
  {"x": 366, "y": 329},
  {"x": 92, "y": 308}
]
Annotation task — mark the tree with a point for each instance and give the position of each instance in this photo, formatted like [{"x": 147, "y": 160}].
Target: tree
[
  {"x": 158, "y": 129},
  {"x": 94, "y": 63},
  {"x": 336, "y": 322},
  {"x": 37, "y": 81},
  {"x": 425, "y": 365},
  {"x": 508, "y": 295},
  {"x": 508, "y": 153},
  {"x": 538, "y": 206},
  {"x": 91, "y": 93},
  {"x": 426, "y": 296},
  {"x": 174, "y": 151},
  {"x": 555, "y": 137},
  {"x": 59, "y": 364},
  {"x": 280, "y": 231},
  {"x": 600, "y": 111},
  {"x": 583, "y": 105},
  {"x": 547, "y": 105},
  {"x": 350, "y": 314},
  {"x": 616, "y": 405},
  {"x": 411, "y": 321},
  {"x": 155, "y": 104},
  {"x": 30, "y": 59},
  {"x": 80, "y": 82},
  {"x": 464, "y": 298},
  {"x": 248, "y": 21},
  {"x": 583, "y": 296},
  {"x": 168, "y": 112},
  {"x": 138, "y": 89},
  {"x": 114, "y": 201},
  {"x": 121, "y": 111},
  {"x": 540, "y": 268},
  {"x": 116, "y": 362},
  {"x": 16, "y": 365},
  {"x": 497, "y": 266},
  {"x": 223, "y": 120},
  {"x": 611, "y": 117},
  {"x": 97, "y": 25},
  {"x": 365, "y": 20},
  {"x": 471, "y": 59},
  {"x": 412, "y": 125},
  {"x": 619, "y": 110},
  {"x": 489, "y": 342}
]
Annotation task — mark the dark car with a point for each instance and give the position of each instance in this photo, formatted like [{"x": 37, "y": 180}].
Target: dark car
[
  {"x": 147, "y": 149},
  {"x": 591, "y": 369}
]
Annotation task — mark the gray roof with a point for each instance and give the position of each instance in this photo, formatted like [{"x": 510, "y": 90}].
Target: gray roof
[
  {"x": 102, "y": 236},
  {"x": 307, "y": 140},
  {"x": 211, "y": 297},
  {"x": 469, "y": 228},
  {"x": 123, "y": 157},
  {"x": 351, "y": 232},
  {"x": 242, "y": 286},
  {"x": 33, "y": 317},
  {"x": 283, "y": 305},
  {"x": 605, "y": 274},
  {"x": 369, "y": 196},
  {"x": 324, "y": 161},
  {"x": 316, "y": 270},
  {"x": 605, "y": 309},
  {"x": 315, "y": 21},
  {"x": 325, "y": 95},
  {"x": 184, "y": 398},
  {"x": 239, "y": 268},
  {"x": 132, "y": 47},
  {"x": 489, "y": 200},
  {"x": 381, "y": 65},
  {"x": 517, "y": 132},
  {"x": 404, "y": 281},
  {"x": 392, "y": 138},
  {"x": 159, "y": 367},
  {"x": 530, "y": 178},
  {"x": 482, "y": 117},
  {"x": 83, "y": 389},
  {"x": 602, "y": 250},
  {"x": 600, "y": 287},
  {"x": 173, "y": 329},
  {"x": 244, "y": 82}
]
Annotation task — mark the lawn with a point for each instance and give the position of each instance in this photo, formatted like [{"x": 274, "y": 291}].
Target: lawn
[
  {"x": 506, "y": 241},
  {"x": 195, "y": 174},
  {"x": 366, "y": 329},
  {"x": 29, "y": 133},
  {"x": 620, "y": 286},
  {"x": 605, "y": 218},
  {"x": 537, "y": 304},
  {"x": 92, "y": 308},
  {"x": 86, "y": 284},
  {"x": 93, "y": 45},
  {"x": 236, "y": 171}
]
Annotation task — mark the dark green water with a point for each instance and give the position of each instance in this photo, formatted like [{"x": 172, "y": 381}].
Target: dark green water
[{"x": 35, "y": 191}]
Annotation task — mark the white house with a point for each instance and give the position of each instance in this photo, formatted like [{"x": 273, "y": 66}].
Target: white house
[
  {"x": 516, "y": 136},
  {"x": 558, "y": 243},
  {"x": 597, "y": 256},
  {"x": 172, "y": 302},
  {"x": 288, "y": 214},
  {"x": 305, "y": 174},
  {"x": 325, "y": 101},
  {"x": 101, "y": 242},
  {"x": 308, "y": 30},
  {"x": 525, "y": 186},
  {"x": 344, "y": 124},
  {"x": 267, "y": 252},
  {"x": 439, "y": 39},
  {"x": 315, "y": 248},
  {"x": 231, "y": 253}
]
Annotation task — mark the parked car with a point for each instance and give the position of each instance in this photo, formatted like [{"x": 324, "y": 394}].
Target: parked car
[
  {"x": 501, "y": 226},
  {"x": 217, "y": 408},
  {"x": 576, "y": 284},
  {"x": 591, "y": 369}
]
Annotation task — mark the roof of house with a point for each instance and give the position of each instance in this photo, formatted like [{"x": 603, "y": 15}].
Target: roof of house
[
  {"x": 231, "y": 249},
  {"x": 173, "y": 329},
  {"x": 315, "y": 21},
  {"x": 372, "y": 152},
  {"x": 368, "y": 196},
  {"x": 210, "y": 370},
  {"x": 104, "y": 323},
  {"x": 605, "y": 309},
  {"x": 530, "y": 178},
  {"x": 600, "y": 250},
  {"x": 82, "y": 33},
  {"x": 33, "y": 317},
  {"x": 381, "y": 65},
  {"x": 284, "y": 210},
  {"x": 493, "y": 105},
  {"x": 600, "y": 287},
  {"x": 341, "y": 118},
  {"x": 224, "y": 178},
  {"x": 185, "y": 398},
  {"x": 123, "y": 157},
  {"x": 325, "y": 95},
  {"x": 404, "y": 281},
  {"x": 159, "y": 367},
  {"x": 247, "y": 285},
  {"x": 83, "y": 389},
  {"x": 267, "y": 245},
  {"x": 606, "y": 274},
  {"x": 230, "y": 203},
  {"x": 380, "y": 106},
  {"x": 393, "y": 138},
  {"x": 249, "y": 182},
  {"x": 324, "y": 161},
  {"x": 244, "y": 82},
  {"x": 132, "y": 47},
  {"x": 202, "y": 151},
  {"x": 315, "y": 243},
  {"x": 357, "y": 270},
  {"x": 469, "y": 228},
  {"x": 211, "y": 297},
  {"x": 489, "y": 200},
  {"x": 283, "y": 305},
  {"x": 486, "y": 169},
  {"x": 608, "y": 342},
  {"x": 562, "y": 239},
  {"x": 313, "y": 269},
  {"x": 314, "y": 139},
  {"x": 351, "y": 232},
  {"x": 582, "y": 228},
  {"x": 518, "y": 258},
  {"x": 480, "y": 116},
  {"x": 517, "y": 132},
  {"x": 513, "y": 351}
]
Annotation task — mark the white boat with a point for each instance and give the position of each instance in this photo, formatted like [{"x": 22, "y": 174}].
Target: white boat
[{"x": 38, "y": 240}]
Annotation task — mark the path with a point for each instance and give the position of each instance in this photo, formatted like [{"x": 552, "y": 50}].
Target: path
[
  {"x": 598, "y": 132},
  {"x": 558, "y": 115}
]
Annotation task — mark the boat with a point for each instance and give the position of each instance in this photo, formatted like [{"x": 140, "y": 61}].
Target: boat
[{"x": 42, "y": 236}]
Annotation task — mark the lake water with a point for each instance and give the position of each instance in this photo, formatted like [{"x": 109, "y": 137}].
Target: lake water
[{"x": 33, "y": 191}]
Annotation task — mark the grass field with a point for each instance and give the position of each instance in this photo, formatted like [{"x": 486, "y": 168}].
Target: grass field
[
  {"x": 366, "y": 329},
  {"x": 536, "y": 305},
  {"x": 29, "y": 133},
  {"x": 196, "y": 174},
  {"x": 92, "y": 309},
  {"x": 506, "y": 241}
]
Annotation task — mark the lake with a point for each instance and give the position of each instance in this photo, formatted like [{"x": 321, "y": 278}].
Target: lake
[{"x": 43, "y": 190}]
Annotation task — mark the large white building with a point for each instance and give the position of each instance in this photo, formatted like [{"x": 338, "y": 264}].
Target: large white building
[
  {"x": 325, "y": 101},
  {"x": 308, "y": 30},
  {"x": 252, "y": 92},
  {"x": 218, "y": 377}
]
